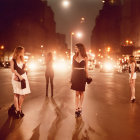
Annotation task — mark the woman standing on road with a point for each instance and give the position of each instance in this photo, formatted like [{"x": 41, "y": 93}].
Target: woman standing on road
[
  {"x": 19, "y": 80},
  {"x": 132, "y": 76},
  {"x": 79, "y": 75},
  {"x": 49, "y": 74}
]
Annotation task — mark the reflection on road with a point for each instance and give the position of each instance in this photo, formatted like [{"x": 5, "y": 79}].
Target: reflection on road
[{"x": 81, "y": 132}]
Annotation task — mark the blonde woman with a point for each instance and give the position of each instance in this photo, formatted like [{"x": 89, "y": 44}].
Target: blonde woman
[
  {"x": 132, "y": 77},
  {"x": 19, "y": 80}
]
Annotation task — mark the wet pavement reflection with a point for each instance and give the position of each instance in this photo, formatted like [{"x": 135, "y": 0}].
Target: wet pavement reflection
[{"x": 107, "y": 111}]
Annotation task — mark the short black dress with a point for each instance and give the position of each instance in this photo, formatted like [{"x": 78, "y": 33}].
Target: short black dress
[{"x": 78, "y": 78}]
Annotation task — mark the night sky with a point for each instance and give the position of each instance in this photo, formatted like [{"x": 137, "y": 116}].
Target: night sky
[{"x": 68, "y": 19}]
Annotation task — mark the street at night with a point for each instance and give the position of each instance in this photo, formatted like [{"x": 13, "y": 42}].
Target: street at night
[
  {"x": 107, "y": 111},
  {"x": 69, "y": 69}
]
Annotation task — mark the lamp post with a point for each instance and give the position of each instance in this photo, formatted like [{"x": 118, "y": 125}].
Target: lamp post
[
  {"x": 78, "y": 35},
  {"x": 42, "y": 50},
  {"x": 71, "y": 43},
  {"x": 2, "y": 52}
]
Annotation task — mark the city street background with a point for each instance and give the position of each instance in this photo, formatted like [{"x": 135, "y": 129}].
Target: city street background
[{"x": 107, "y": 111}]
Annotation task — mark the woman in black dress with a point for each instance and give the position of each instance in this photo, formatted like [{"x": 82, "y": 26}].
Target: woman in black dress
[
  {"x": 49, "y": 74},
  {"x": 79, "y": 75}
]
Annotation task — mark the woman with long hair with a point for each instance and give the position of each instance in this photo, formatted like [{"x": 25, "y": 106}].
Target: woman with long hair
[
  {"x": 132, "y": 76},
  {"x": 19, "y": 80},
  {"x": 79, "y": 75},
  {"x": 49, "y": 74}
]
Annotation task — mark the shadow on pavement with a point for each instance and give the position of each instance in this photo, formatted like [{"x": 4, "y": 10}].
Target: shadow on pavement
[
  {"x": 55, "y": 124},
  {"x": 80, "y": 132},
  {"x": 9, "y": 126},
  {"x": 36, "y": 133}
]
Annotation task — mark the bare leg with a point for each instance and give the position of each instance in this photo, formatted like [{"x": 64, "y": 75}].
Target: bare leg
[
  {"x": 47, "y": 84},
  {"x": 77, "y": 99},
  {"x": 133, "y": 88},
  {"x": 81, "y": 99},
  {"x": 21, "y": 99},
  {"x": 51, "y": 80},
  {"x": 16, "y": 100}
]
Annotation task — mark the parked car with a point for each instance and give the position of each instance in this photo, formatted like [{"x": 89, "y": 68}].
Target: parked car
[
  {"x": 1, "y": 64},
  {"x": 138, "y": 65},
  {"x": 6, "y": 64}
]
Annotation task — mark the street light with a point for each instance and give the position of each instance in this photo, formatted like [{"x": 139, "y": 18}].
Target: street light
[
  {"x": 2, "y": 47},
  {"x": 65, "y": 3},
  {"x": 71, "y": 38},
  {"x": 82, "y": 20},
  {"x": 108, "y": 49},
  {"x": 42, "y": 51},
  {"x": 78, "y": 35}
]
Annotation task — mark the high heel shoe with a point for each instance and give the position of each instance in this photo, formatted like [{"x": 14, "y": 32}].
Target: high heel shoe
[
  {"x": 132, "y": 100},
  {"x": 17, "y": 114},
  {"x": 21, "y": 114},
  {"x": 76, "y": 113},
  {"x": 80, "y": 110}
]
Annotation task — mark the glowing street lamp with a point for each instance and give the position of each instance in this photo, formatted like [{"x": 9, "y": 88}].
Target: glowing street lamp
[
  {"x": 71, "y": 39},
  {"x": 90, "y": 51},
  {"x": 42, "y": 51},
  {"x": 131, "y": 42},
  {"x": 108, "y": 49},
  {"x": 2, "y": 47},
  {"x": 82, "y": 20},
  {"x": 79, "y": 35},
  {"x": 65, "y": 3}
]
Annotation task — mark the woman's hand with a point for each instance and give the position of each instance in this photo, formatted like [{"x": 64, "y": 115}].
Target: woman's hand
[
  {"x": 16, "y": 78},
  {"x": 21, "y": 78},
  {"x": 130, "y": 80}
]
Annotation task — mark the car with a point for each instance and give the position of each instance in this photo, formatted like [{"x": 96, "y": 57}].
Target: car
[
  {"x": 90, "y": 65},
  {"x": 138, "y": 65},
  {"x": 107, "y": 67},
  {"x": 1, "y": 64},
  {"x": 6, "y": 64}
]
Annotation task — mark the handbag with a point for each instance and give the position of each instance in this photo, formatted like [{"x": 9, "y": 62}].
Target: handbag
[
  {"x": 23, "y": 84},
  {"x": 88, "y": 80}
]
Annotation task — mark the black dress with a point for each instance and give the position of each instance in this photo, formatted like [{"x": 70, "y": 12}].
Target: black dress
[{"x": 78, "y": 78}]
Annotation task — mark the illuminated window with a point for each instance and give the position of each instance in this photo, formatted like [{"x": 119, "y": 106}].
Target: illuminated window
[{"x": 112, "y": 1}]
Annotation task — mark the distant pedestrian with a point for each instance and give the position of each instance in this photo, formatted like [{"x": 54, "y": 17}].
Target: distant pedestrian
[
  {"x": 19, "y": 80},
  {"x": 49, "y": 74},
  {"x": 79, "y": 75},
  {"x": 132, "y": 76}
]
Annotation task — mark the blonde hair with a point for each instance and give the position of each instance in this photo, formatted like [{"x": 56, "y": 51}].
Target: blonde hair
[
  {"x": 17, "y": 52},
  {"x": 132, "y": 59}
]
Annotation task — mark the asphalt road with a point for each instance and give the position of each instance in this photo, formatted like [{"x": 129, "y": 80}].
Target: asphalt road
[{"x": 107, "y": 112}]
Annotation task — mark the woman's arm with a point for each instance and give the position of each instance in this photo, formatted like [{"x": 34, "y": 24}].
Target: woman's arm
[
  {"x": 86, "y": 67},
  {"x": 132, "y": 67},
  {"x": 71, "y": 70},
  {"x": 14, "y": 71}
]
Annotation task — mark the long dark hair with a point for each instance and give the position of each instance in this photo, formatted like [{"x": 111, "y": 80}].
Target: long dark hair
[
  {"x": 82, "y": 50},
  {"x": 49, "y": 57}
]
